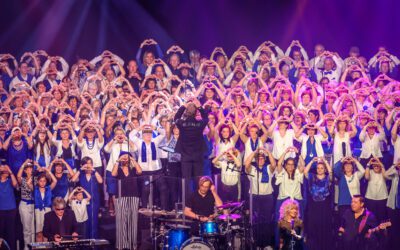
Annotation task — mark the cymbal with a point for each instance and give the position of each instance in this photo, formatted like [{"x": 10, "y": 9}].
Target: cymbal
[
  {"x": 176, "y": 220},
  {"x": 230, "y": 205},
  {"x": 229, "y": 216},
  {"x": 178, "y": 226},
  {"x": 156, "y": 213}
]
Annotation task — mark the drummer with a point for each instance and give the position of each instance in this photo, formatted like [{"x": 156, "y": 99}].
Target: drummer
[{"x": 200, "y": 205}]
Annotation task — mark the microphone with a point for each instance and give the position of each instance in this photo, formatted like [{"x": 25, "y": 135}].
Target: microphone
[
  {"x": 295, "y": 235},
  {"x": 344, "y": 149}
]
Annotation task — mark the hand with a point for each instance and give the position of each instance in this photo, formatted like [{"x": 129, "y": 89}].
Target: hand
[
  {"x": 139, "y": 171},
  {"x": 203, "y": 219},
  {"x": 292, "y": 149},
  {"x": 57, "y": 238},
  {"x": 212, "y": 188}
]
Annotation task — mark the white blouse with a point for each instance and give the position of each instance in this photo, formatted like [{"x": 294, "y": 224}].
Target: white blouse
[
  {"x": 371, "y": 146},
  {"x": 393, "y": 174},
  {"x": 114, "y": 152},
  {"x": 353, "y": 182},
  {"x": 229, "y": 176},
  {"x": 222, "y": 147},
  {"x": 93, "y": 152},
  {"x": 80, "y": 210},
  {"x": 149, "y": 165},
  {"x": 257, "y": 187},
  {"x": 247, "y": 148},
  {"x": 376, "y": 189},
  {"x": 337, "y": 146},
  {"x": 396, "y": 146},
  {"x": 282, "y": 143},
  {"x": 288, "y": 187}
]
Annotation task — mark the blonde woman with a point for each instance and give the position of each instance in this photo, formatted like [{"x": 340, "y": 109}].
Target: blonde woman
[{"x": 290, "y": 226}]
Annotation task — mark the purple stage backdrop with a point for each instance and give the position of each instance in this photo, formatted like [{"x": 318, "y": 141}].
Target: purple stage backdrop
[{"x": 84, "y": 28}]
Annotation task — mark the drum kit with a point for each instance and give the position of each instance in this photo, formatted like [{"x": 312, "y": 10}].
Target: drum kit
[{"x": 226, "y": 231}]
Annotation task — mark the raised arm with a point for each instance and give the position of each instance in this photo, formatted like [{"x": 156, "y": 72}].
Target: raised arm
[
  {"x": 248, "y": 161},
  {"x": 218, "y": 201},
  {"x": 21, "y": 171},
  {"x": 360, "y": 167},
  {"x": 68, "y": 167},
  {"x": 88, "y": 196},
  {"x": 308, "y": 167},
  {"x": 271, "y": 129},
  {"x": 394, "y": 130},
  {"x": 353, "y": 129},
  {"x": 236, "y": 135},
  {"x": 75, "y": 177},
  {"x": 115, "y": 168},
  {"x": 243, "y": 130},
  {"x": 279, "y": 166},
  {"x": 53, "y": 178}
]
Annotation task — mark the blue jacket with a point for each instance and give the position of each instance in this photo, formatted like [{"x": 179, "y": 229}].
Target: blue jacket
[{"x": 344, "y": 192}]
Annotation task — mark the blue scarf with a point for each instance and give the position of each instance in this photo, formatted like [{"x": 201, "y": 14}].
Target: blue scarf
[
  {"x": 28, "y": 79},
  {"x": 153, "y": 152},
  {"x": 264, "y": 171},
  {"x": 254, "y": 146}
]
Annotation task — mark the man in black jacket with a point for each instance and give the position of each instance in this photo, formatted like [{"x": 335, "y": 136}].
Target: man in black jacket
[
  {"x": 191, "y": 144},
  {"x": 355, "y": 226},
  {"x": 59, "y": 222}
]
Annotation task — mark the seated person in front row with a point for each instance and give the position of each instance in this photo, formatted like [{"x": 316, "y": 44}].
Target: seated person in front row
[
  {"x": 60, "y": 222},
  {"x": 200, "y": 205}
]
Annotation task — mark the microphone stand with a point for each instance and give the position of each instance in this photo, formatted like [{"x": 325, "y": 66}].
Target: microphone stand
[
  {"x": 235, "y": 170},
  {"x": 292, "y": 242}
]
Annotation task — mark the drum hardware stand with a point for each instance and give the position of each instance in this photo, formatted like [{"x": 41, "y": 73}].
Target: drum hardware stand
[
  {"x": 152, "y": 223},
  {"x": 153, "y": 233}
]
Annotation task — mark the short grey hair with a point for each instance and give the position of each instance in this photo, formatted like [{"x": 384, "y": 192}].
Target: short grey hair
[{"x": 58, "y": 201}]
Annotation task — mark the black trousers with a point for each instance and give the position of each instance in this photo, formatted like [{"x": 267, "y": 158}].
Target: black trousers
[
  {"x": 378, "y": 208},
  {"x": 228, "y": 193},
  {"x": 192, "y": 169},
  {"x": 393, "y": 231},
  {"x": 159, "y": 185},
  {"x": 173, "y": 179},
  {"x": 7, "y": 226},
  {"x": 263, "y": 220}
]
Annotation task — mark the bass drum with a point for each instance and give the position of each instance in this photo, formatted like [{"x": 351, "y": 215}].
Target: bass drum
[{"x": 196, "y": 243}]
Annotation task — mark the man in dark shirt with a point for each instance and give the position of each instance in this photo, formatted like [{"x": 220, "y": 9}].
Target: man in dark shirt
[
  {"x": 355, "y": 225},
  {"x": 191, "y": 144},
  {"x": 60, "y": 222},
  {"x": 200, "y": 205}
]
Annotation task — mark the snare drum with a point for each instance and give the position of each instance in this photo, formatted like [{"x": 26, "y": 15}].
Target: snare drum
[
  {"x": 209, "y": 228},
  {"x": 175, "y": 238},
  {"x": 196, "y": 243}
]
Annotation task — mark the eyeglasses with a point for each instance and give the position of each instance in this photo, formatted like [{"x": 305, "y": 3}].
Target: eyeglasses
[{"x": 60, "y": 209}]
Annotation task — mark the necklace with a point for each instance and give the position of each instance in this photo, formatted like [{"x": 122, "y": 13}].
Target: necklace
[
  {"x": 90, "y": 145},
  {"x": 351, "y": 179},
  {"x": 19, "y": 146}
]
